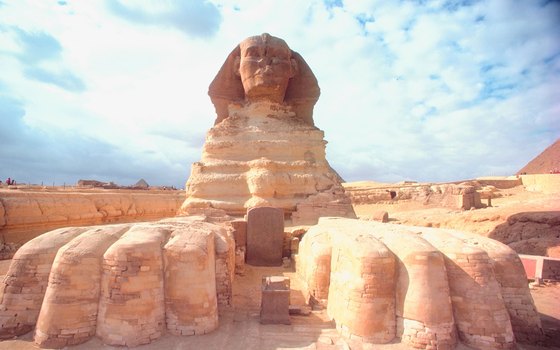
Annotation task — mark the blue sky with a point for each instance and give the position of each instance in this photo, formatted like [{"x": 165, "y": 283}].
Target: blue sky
[{"x": 116, "y": 90}]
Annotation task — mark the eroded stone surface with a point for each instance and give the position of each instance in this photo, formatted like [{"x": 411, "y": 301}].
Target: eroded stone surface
[
  {"x": 126, "y": 283},
  {"x": 264, "y": 149},
  {"x": 436, "y": 284},
  {"x": 265, "y": 234},
  {"x": 27, "y": 214}
]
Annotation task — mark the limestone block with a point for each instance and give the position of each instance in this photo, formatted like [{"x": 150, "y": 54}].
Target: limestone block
[
  {"x": 240, "y": 232},
  {"x": 294, "y": 245},
  {"x": 380, "y": 215},
  {"x": 510, "y": 274},
  {"x": 275, "y": 300},
  {"x": 191, "y": 308},
  {"x": 423, "y": 304},
  {"x": 69, "y": 311},
  {"x": 225, "y": 266},
  {"x": 240, "y": 261},
  {"x": 131, "y": 306},
  {"x": 362, "y": 288},
  {"x": 265, "y": 232},
  {"x": 23, "y": 289},
  {"x": 478, "y": 306},
  {"x": 314, "y": 264}
]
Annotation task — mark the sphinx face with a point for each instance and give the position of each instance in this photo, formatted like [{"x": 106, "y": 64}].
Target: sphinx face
[{"x": 265, "y": 68}]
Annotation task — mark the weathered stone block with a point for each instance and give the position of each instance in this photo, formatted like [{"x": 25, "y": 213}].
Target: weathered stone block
[
  {"x": 191, "y": 308},
  {"x": 380, "y": 215},
  {"x": 240, "y": 232},
  {"x": 265, "y": 232},
  {"x": 275, "y": 302}
]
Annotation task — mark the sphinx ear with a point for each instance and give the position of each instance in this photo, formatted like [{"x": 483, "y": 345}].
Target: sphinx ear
[
  {"x": 295, "y": 68},
  {"x": 236, "y": 65}
]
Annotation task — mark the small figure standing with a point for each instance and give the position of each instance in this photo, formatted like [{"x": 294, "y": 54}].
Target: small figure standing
[{"x": 9, "y": 181}]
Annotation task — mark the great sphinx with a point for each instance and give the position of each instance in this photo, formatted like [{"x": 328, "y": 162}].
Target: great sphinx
[
  {"x": 264, "y": 149},
  {"x": 264, "y": 68},
  {"x": 128, "y": 284}
]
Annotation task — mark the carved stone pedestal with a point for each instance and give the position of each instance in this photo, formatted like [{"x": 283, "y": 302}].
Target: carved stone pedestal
[{"x": 275, "y": 304}]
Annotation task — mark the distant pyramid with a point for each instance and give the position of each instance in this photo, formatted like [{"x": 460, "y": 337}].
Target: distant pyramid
[
  {"x": 141, "y": 184},
  {"x": 546, "y": 162}
]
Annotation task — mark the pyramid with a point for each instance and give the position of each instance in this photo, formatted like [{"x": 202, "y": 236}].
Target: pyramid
[
  {"x": 545, "y": 163},
  {"x": 141, "y": 184}
]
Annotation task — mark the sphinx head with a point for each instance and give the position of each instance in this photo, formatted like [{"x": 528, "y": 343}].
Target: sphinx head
[
  {"x": 265, "y": 66},
  {"x": 260, "y": 68}
]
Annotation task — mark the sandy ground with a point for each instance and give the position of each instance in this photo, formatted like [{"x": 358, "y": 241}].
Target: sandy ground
[
  {"x": 240, "y": 328},
  {"x": 481, "y": 221}
]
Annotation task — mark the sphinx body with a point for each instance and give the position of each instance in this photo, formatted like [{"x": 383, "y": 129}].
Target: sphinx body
[
  {"x": 264, "y": 149},
  {"x": 129, "y": 284}
]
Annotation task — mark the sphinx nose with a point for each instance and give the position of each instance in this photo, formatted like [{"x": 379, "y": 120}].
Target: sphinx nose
[{"x": 265, "y": 61}]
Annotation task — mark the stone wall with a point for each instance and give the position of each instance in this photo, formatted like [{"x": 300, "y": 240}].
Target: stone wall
[
  {"x": 225, "y": 266},
  {"x": 547, "y": 183},
  {"x": 500, "y": 182},
  {"x": 24, "y": 215}
]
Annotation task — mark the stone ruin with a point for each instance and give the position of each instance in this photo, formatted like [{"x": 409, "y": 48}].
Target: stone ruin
[{"x": 128, "y": 284}]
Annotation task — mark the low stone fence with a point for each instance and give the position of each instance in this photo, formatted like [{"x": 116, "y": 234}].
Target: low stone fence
[
  {"x": 541, "y": 267},
  {"x": 546, "y": 183},
  {"x": 25, "y": 215}
]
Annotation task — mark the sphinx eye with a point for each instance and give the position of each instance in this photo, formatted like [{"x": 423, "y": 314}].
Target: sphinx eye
[{"x": 252, "y": 52}]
